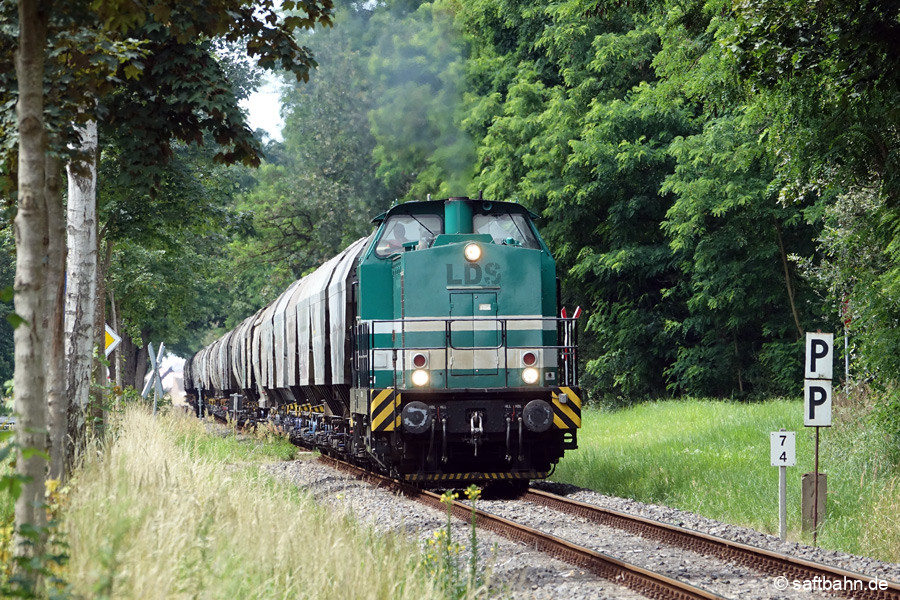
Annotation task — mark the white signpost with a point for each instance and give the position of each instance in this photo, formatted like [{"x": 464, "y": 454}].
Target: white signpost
[
  {"x": 782, "y": 454},
  {"x": 818, "y": 371}
]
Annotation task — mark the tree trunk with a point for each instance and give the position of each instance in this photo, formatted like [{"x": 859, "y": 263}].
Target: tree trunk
[
  {"x": 98, "y": 404},
  {"x": 54, "y": 298},
  {"x": 81, "y": 284},
  {"x": 129, "y": 356},
  {"x": 142, "y": 361},
  {"x": 135, "y": 362},
  {"x": 30, "y": 230},
  {"x": 787, "y": 280},
  {"x": 116, "y": 362}
]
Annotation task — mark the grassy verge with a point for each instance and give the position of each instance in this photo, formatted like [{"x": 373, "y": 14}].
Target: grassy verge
[
  {"x": 712, "y": 458},
  {"x": 169, "y": 511}
]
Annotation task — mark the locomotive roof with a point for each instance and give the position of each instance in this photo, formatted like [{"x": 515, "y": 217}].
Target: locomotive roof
[{"x": 437, "y": 207}]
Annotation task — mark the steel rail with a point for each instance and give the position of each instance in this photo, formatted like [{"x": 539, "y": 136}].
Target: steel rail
[
  {"x": 642, "y": 580},
  {"x": 768, "y": 561}
]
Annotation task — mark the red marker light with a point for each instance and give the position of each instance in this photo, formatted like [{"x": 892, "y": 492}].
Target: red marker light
[{"x": 529, "y": 359}]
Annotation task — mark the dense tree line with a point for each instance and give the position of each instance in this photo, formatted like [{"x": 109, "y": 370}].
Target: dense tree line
[
  {"x": 715, "y": 178},
  {"x": 628, "y": 128}
]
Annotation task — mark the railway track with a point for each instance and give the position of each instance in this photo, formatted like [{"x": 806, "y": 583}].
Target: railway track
[
  {"x": 645, "y": 581},
  {"x": 844, "y": 582}
]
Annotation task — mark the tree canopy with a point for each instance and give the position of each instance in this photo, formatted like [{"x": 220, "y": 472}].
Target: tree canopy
[{"x": 713, "y": 178}]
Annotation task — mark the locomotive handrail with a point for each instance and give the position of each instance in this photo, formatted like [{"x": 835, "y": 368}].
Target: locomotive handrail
[{"x": 566, "y": 330}]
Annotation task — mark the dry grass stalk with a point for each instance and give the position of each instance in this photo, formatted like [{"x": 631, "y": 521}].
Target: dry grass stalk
[{"x": 148, "y": 520}]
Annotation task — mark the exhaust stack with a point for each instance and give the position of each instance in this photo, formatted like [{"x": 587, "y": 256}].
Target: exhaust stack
[{"x": 458, "y": 215}]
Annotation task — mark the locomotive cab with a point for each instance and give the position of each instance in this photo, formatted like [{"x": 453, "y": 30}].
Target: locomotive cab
[{"x": 462, "y": 370}]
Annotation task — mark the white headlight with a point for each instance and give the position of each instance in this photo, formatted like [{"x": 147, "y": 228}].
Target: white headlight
[
  {"x": 530, "y": 375},
  {"x": 420, "y": 377},
  {"x": 472, "y": 252}
]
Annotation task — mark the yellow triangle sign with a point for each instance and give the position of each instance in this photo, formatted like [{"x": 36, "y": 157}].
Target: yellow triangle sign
[{"x": 112, "y": 340}]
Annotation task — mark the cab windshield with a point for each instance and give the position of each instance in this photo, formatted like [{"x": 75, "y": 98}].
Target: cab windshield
[
  {"x": 507, "y": 228},
  {"x": 403, "y": 229}
]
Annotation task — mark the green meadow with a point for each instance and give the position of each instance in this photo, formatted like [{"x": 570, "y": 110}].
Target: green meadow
[{"x": 712, "y": 458}]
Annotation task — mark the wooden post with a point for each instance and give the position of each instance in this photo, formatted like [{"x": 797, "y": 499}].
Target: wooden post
[{"x": 810, "y": 518}]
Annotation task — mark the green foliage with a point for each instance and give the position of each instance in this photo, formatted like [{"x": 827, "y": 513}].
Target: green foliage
[
  {"x": 887, "y": 417},
  {"x": 417, "y": 68},
  {"x": 168, "y": 249},
  {"x": 318, "y": 190},
  {"x": 580, "y": 135},
  {"x": 629, "y": 130},
  {"x": 828, "y": 73},
  {"x": 742, "y": 329},
  {"x": 223, "y": 447},
  {"x": 20, "y": 574},
  {"x": 826, "y": 77},
  {"x": 857, "y": 279}
]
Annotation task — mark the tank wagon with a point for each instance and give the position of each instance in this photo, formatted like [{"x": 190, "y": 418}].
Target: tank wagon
[{"x": 431, "y": 351}]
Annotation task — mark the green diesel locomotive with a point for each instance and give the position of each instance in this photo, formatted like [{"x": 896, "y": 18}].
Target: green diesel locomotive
[{"x": 431, "y": 351}]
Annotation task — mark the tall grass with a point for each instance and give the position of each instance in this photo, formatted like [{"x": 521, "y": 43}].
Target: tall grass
[
  {"x": 712, "y": 458},
  {"x": 166, "y": 511}
]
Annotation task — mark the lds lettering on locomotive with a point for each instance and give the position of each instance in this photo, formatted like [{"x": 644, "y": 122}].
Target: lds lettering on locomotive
[{"x": 473, "y": 274}]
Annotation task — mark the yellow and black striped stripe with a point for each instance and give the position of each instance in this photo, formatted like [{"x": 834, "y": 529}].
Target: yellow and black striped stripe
[
  {"x": 384, "y": 409},
  {"x": 296, "y": 409},
  {"x": 568, "y": 415},
  {"x": 475, "y": 476}
]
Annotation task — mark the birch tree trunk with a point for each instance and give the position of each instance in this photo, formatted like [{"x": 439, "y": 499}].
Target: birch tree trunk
[
  {"x": 81, "y": 284},
  {"x": 30, "y": 230},
  {"x": 54, "y": 298}
]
